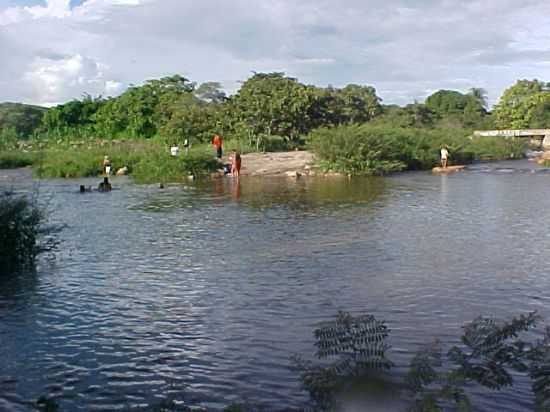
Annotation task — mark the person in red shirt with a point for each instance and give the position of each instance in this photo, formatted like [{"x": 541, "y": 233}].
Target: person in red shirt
[
  {"x": 218, "y": 143},
  {"x": 236, "y": 164}
]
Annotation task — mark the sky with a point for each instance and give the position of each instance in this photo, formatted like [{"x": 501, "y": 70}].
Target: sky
[{"x": 52, "y": 51}]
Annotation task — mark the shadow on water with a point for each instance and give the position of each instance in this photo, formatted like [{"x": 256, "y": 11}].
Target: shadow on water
[{"x": 17, "y": 288}]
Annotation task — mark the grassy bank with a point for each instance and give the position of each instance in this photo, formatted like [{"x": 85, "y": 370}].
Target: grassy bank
[
  {"x": 146, "y": 161},
  {"x": 378, "y": 150}
]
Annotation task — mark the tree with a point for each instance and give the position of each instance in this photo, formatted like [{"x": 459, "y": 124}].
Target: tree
[
  {"x": 211, "y": 92},
  {"x": 480, "y": 95},
  {"x": 142, "y": 111},
  {"x": 272, "y": 104},
  {"x": 73, "y": 114},
  {"x": 512, "y": 109}
]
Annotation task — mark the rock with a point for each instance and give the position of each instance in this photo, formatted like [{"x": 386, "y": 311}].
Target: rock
[
  {"x": 123, "y": 171},
  {"x": 293, "y": 174},
  {"x": 446, "y": 170},
  {"x": 546, "y": 142},
  {"x": 191, "y": 177}
]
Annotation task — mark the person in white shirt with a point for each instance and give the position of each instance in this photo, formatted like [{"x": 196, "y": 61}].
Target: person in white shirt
[
  {"x": 444, "y": 156},
  {"x": 174, "y": 150}
]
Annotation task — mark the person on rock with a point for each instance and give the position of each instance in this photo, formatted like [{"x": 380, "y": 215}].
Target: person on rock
[{"x": 444, "y": 156}]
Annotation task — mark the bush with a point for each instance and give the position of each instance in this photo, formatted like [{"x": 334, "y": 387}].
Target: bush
[
  {"x": 20, "y": 221},
  {"x": 490, "y": 353},
  {"x": 374, "y": 150}
]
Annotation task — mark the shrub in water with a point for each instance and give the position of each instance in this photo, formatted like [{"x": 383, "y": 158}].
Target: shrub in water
[{"x": 19, "y": 228}]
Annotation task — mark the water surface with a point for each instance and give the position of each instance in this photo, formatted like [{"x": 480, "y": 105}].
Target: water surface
[{"x": 203, "y": 291}]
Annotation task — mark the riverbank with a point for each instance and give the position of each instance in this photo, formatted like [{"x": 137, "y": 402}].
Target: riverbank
[{"x": 294, "y": 164}]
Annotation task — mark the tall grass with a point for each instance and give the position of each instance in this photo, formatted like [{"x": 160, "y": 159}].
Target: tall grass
[
  {"x": 13, "y": 159},
  {"x": 20, "y": 221},
  {"x": 145, "y": 161},
  {"x": 374, "y": 150}
]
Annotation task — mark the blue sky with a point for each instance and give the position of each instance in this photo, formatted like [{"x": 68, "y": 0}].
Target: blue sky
[{"x": 52, "y": 51}]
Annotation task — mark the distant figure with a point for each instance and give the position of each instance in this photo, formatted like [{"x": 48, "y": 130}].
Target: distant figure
[
  {"x": 106, "y": 165},
  {"x": 218, "y": 143},
  {"x": 82, "y": 189},
  {"x": 105, "y": 186},
  {"x": 186, "y": 145},
  {"x": 236, "y": 164},
  {"x": 175, "y": 150},
  {"x": 444, "y": 157}
]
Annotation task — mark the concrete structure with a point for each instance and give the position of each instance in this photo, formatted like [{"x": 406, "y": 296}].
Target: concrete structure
[{"x": 536, "y": 136}]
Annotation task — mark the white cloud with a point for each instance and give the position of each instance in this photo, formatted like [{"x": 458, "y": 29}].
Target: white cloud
[
  {"x": 55, "y": 80},
  {"x": 405, "y": 48}
]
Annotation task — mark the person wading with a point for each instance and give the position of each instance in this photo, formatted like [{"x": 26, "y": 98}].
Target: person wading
[
  {"x": 236, "y": 164},
  {"x": 218, "y": 143}
]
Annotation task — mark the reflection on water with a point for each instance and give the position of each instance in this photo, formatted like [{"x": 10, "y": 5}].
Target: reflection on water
[{"x": 203, "y": 291}]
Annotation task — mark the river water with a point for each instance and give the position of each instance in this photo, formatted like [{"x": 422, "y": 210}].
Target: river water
[{"x": 202, "y": 292}]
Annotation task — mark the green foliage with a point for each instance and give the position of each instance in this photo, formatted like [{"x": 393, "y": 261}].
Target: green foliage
[
  {"x": 73, "y": 114},
  {"x": 161, "y": 167},
  {"x": 356, "y": 346},
  {"x": 270, "y": 104},
  {"x": 539, "y": 372},
  {"x": 146, "y": 162},
  {"x": 489, "y": 352},
  {"x": 374, "y": 149},
  {"x": 15, "y": 159},
  {"x": 22, "y": 119},
  {"x": 211, "y": 92},
  {"x": 20, "y": 221},
  {"x": 523, "y": 105}
]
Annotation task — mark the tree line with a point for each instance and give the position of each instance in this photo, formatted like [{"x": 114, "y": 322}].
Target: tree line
[{"x": 274, "y": 107}]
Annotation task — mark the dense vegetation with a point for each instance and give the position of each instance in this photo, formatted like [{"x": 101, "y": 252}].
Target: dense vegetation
[
  {"x": 19, "y": 120},
  {"x": 371, "y": 150},
  {"x": 349, "y": 128},
  {"x": 20, "y": 222}
]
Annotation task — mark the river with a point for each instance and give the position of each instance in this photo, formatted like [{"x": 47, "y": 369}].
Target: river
[{"x": 203, "y": 291}]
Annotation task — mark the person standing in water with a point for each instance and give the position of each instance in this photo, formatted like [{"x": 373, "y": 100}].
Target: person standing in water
[
  {"x": 106, "y": 165},
  {"x": 236, "y": 164},
  {"x": 218, "y": 143},
  {"x": 444, "y": 157}
]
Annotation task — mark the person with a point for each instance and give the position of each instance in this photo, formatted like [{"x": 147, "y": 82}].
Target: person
[
  {"x": 175, "y": 150},
  {"x": 444, "y": 156},
  {"x": 106, "y": 165},
  {"x": 236, "y": 164},
  {"x": 105, "y": 186},
  {"x": 218, "y": 143},
  {"x": 186, "y": 145}
]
